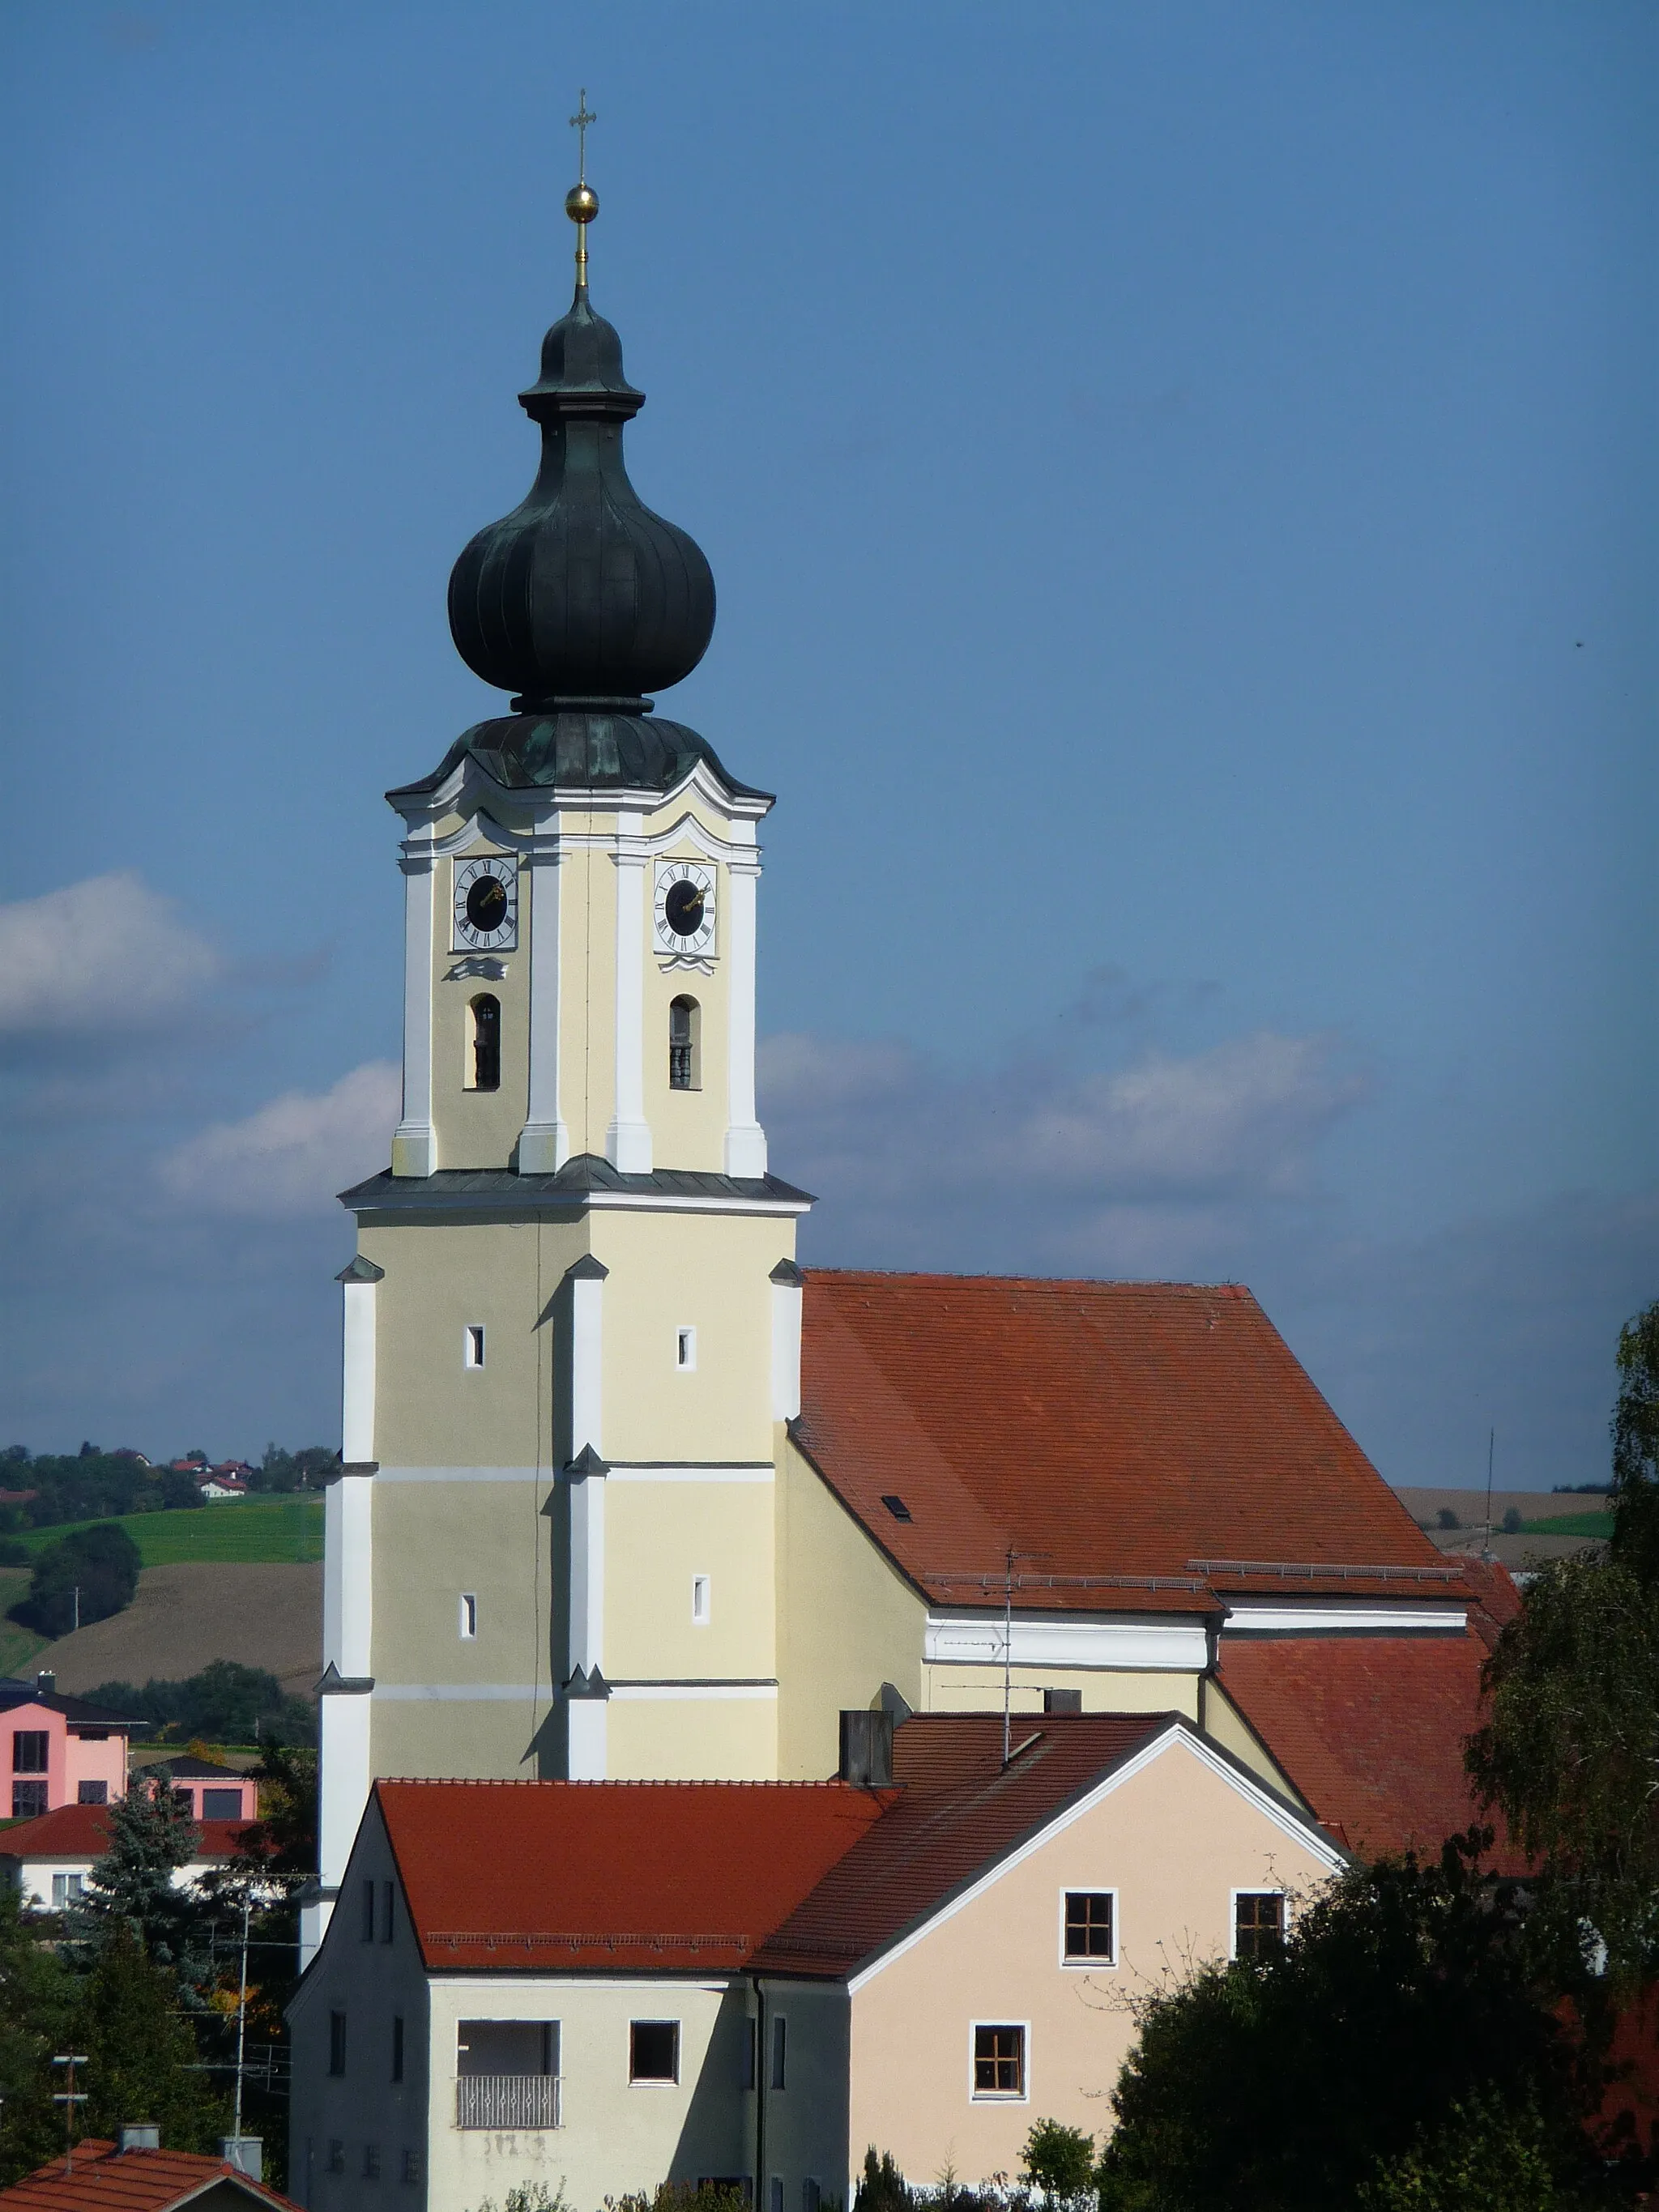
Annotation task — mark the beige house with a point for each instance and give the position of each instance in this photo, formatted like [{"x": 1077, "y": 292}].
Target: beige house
[{"x": 608, "y": 1984}]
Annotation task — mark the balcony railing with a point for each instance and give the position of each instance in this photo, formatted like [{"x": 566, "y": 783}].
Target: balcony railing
[{"x": 506, "y": 2100}]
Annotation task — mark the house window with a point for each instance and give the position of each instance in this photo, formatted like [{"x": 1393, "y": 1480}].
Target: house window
[
  {"x": 371, "y": 2161},
  {"x": 484, "y": 1056},
  {"x": 685, "y": 1350},
  {"x": 28, "y": 1799},
  {"x": 1258, "y": 1922},
  {"x": 92, "y": 1793},
  {"x": 336, "y": 2155},
  {"x": 217, "y": 1804},
  {"x": 700, "y": 1601},
  {"x": 398, "y": 2050},
  {"x": 336, "y": 2034},
  {"x": 811, "y": 2196},
  {"x": 780, "y": 2052},
  {"x": 896, "y": 1505},
  {"x": 522, "y": 2048},
  {"x": 65, "y": 1889},
  {"x": 999, "y": 2059},
  {"x": 684, "y": 1040},
  {"x": 388, "y": 1894},
  {"x": 469, "y": 1617},
  {"x": 472, "y": 1345},
  {"x": 774, "y": 2194},
  {"x": 1091, "y": 1935},
  {"x": 653, "y": 2051},
  {"x": 752, "y": 2030},
  {"x": 366, "y": 1929},
  {"x": 411, "y": 2165},
  {"x": 29, "y": 1749}
]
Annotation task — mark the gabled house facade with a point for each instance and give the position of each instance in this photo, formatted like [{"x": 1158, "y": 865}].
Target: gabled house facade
[
  {"x": 603, "y": 1985},
  {"x": 59, "y": 1750}
]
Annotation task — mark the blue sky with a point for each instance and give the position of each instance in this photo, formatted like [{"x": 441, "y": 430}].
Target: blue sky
[{"x": 1181, "y": 484}]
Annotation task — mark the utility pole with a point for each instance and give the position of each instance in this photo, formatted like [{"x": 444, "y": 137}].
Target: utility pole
[
  {"x": 68, "y": 2099},
  {"x": 1492, "y": 1445},
  {"x": 241, "y": 2024},
  {"x": 77, "y": 1604}
]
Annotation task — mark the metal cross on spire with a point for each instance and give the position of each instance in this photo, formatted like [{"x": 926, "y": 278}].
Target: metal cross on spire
[{"x": 579, "y": 123}]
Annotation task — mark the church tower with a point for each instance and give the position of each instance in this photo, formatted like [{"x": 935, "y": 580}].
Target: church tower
[{"x": 572, "y": 1327}]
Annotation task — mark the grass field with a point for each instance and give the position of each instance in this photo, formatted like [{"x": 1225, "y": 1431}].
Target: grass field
[
  {"x": 280, "y": 1531},
  {"x": 1571, "y": 1524},
  {"x": 18, "y": 1645}
]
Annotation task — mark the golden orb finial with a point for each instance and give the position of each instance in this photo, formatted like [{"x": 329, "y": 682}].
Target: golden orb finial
[{"x": 581, "y": 201}]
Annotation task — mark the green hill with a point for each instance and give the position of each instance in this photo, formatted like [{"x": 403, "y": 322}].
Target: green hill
[
  {"x": 1571, "y": 1524},
  {"x": 246, "y": 1530}
]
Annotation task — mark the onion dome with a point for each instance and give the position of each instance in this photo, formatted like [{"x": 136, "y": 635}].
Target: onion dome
[{"x": 581, "y": 600}]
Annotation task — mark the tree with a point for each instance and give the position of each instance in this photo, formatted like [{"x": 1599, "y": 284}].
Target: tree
[
  {"x": 1569, "y": 1750},
  {"x": 1401, "y": 1994},
  {"x": 37, "y": 1995},
  {"x": 142, "y": 2054},
  {"x": 151, "y": 1835},
  {"x": 881, "y": 2187},
  {"x": 225, "y": 1703},
  {"x": 101, "y": 1563},
  {"x": 1481, "y": 2159},
  {"x": 1058, "y": 2160}
]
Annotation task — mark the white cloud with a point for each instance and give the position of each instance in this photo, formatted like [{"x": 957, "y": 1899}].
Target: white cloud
[
  {"x": 105, "y": 954},
  {"x": 293, "y": 1155}
]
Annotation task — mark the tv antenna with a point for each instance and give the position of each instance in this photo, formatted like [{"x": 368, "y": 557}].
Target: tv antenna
[{"x": 1008, "y": 1640}]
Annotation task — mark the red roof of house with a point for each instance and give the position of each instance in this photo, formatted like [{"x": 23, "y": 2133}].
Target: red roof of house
[
  {"x": 106, "y": 2179},
  {"x": 1369, "y": 1728},
  {"x": 82, "y": 1831},
  {"x": 1496, "y": 1598},
  {"x": 1159, "y": 1441},
  {"x": 612, "y": 1873},
  {"x": 795, "y": 1878}
]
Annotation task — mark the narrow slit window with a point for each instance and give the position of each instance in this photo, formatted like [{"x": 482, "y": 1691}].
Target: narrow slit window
[
  {"x": 700, "y": 1601},
  {"x": 469, "y": 1617},
  {"x": 779, "y": 2053},
  {"x": 397, "y": 2046},
  {"x": 684, "y": 1045},
  {"x": 474, "y": 1350},
  {"x": 485, "y": 1043},
  {"x": 685, "y": 1349}
]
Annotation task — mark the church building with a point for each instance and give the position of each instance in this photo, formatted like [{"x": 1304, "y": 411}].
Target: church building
[{"x": 627, "y": 1493}]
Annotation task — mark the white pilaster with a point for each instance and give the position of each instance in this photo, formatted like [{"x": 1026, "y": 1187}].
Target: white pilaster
[
  {"x": 628, "y": 1140},
  {"x": 586, "y": 1564},
  {"x": 544, "y": 1145},
  {"x": 358, "y": 1361},
  {"x": 786, "y": 1284},
  {"x": 344, "y": 1778},
  {"x": 414, "y": 1149},
  {"x": 345, "y": 1765},
  {"x": 587, "y": 1279},
  {"x": 587, "y": 1748},
  {"x": 746, "y": 1140}
]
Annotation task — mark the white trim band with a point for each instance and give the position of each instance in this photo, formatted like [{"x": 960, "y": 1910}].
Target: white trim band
[{"x": 1179, "y": 1646}]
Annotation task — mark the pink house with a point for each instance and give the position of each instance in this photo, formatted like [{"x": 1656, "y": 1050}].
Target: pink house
[
  {"x": 215, "y": 1793},
  {"x": 58, "y": 1750}
]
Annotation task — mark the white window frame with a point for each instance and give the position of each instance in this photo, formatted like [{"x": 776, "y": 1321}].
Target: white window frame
[
  {"x": 467, "y": 1617},
  {"x": 701, "y": 1600},
  {"x": 1090, "y": 1966},
  {"x": 1022, "y": 2096},
  {"x": 472, "y": 1346},
  {"x": 685, "y": 1350},
  {"x": 1256, "y": 1889}
]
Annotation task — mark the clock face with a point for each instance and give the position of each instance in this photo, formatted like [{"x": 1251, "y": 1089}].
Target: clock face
[
  {"x": 486, "y": 905},
  {"x": 684, "y": 907}
]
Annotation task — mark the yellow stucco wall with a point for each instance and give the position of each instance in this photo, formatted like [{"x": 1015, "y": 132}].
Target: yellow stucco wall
[
  {"x": 659, "y": 1535},
  {"x": 1219, "y": 1718},
  {"x": 848, "y": 1620},
  {"x": 691, "y": 1740},
  {"x": 1174, "y": 1841},
  {"x": 954, "y": 1688}
]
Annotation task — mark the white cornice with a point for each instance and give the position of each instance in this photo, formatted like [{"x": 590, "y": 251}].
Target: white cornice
[
  {"x": 626, "y": 841},
  {"x": 1126, "y": 1642}
]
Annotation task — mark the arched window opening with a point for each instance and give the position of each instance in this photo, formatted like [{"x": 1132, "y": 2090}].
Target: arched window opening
[
  {"x": 486, "y": 1044},
  {"x": 684, "y": 1025}
]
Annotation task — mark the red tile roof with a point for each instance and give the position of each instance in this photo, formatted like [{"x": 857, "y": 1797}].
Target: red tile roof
[
  {"x": 106, "y": 2179},
  {"x": 1369, "y": 1728},
  {"x": 549, "y": 1875},
  {"x": 796, "y": 1878},
  {"x": 82, "y": 1831},
  {"x": 1129, "y": 1430},
  {"x": 1496, "y": 1598},
  {"x": 959, "y": 1813}
]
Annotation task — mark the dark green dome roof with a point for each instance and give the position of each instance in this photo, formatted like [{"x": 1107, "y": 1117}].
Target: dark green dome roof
[{"x": 581, "y": 597}]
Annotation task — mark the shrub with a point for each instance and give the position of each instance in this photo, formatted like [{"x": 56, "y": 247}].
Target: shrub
[
  {"x": 676, "y": 2196},
  {"x": 100, "y": 1563},
  {"x": 1445, "y": 1518},
  {"x": 533, "y": 2197},
  {"x": 882, "y": 2189},
  {"x": 1511, "y": 1522},
  {"x": 1058, "y": 2160}
]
